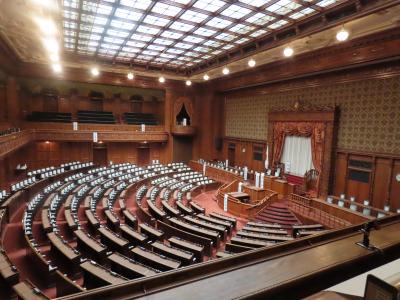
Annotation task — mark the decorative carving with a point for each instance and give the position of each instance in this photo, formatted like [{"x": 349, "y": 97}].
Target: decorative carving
[{"x": 14, "y": 141}]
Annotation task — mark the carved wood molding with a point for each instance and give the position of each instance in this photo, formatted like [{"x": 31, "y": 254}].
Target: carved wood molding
[
  {"x": 15, "y": 141},
  {"x": 91, "y": 127},
  {"x": 105, "y": 136}
]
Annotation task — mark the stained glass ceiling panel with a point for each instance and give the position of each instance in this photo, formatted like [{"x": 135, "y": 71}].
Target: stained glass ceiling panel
[{"x": 175, "y": 33}]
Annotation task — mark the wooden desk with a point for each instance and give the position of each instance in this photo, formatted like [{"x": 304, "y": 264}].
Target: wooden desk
[
  {"x": 112, "y": 240},
  {"x": 90, "y": 244},
  {"x": 280, "y": 186},
  {"x": 25, "y": 290},
  {"x": 128, "y": 267},
  {"x": 268, "y": 180},
  {"x": 92, "y": 220},
  {"x": 155, "y": 211},
  {"x": 250, "y": 242},
  {"x": 150, "y": 231},
  {"x": 243, "y": 197},
  {"x": 68, "y": 202},
  {"x": 256, "y": 194},
  {"x": 133, "y": 236},
  {"x": 7, "y": 270},
  {"x": 196, "y": 249},
  {"x": 227, "y": 225},
  {"x": 49, "y": 198},
  {"x": 46, "y": 221},
  {"x": 58, "y": 245},
  {"x": 265, "y": 230},
  {"x": 197, "y": 208},
  {"x": 129, "y": 218},
  {"x": 183, "y": 209},
  {"x": 267, "y": 237},
  {"x": 213, "y": 235},
  {"x": 169, "y": 209},
  {"x": 155, "y": 260},
  {"x": 112, "y": 220},
  {"x": 263, "y": 225},
  {"x": 96, "y": 275},
  {"x": 201, "y": 223},
  {"x": 122, "y": 204},
  {"x": 70, "y": 220},
  {"x": 224, "y": 218},
  {"x": 183, "y": 256}
]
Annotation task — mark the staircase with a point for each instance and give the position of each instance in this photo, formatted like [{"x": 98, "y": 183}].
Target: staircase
[{"x": 277, "y": 213}]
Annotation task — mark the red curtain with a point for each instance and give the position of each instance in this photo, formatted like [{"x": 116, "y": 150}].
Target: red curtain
[{"x": 315, "y": 130}]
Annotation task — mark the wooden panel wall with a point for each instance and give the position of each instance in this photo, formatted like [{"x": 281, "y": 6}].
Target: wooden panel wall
[
  {"x": 244, "y": 152},
  {"x": 3, "y": 102},
  {"x": 122, "y": 152},
  {"x": 382, "y": 187}
]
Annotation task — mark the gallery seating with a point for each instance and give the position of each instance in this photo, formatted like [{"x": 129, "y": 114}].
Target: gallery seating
[
  {"x": 140, "y": 118},
  {"x": 98, "y": 117},
  {"x": 44, "y": 116}
]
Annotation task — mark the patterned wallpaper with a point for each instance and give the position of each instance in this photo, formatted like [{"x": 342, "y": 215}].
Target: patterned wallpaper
[{"x": 369, "y": 113}]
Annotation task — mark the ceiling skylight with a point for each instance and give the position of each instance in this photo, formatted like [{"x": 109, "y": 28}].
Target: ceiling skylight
[{"x": 175, "y": 33}]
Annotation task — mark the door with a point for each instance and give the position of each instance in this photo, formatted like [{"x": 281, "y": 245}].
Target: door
[
  {"x": 143, "y": 156},
  {"x": 231, "y": 154},
  {"x": 100, "y": 156}
]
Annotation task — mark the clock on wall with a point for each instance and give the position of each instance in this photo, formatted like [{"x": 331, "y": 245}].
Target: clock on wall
[{"x": 398, "y": 177}]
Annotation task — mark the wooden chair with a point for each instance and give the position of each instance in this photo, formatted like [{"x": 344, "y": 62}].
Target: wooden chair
[
  {"x": 310, "y": 184},
  {"x": 311, "y": 178}
]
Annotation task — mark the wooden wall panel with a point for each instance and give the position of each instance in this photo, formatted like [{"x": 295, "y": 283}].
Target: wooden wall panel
[
  {"x": 340, "y": 174},
  {"x": 3, "y": 102},
  {"x": 395, "y": 185},
  {"x": 382, "y": 188},
  {"x": 381, "y": 182},
  {"x": 122, "y": 152},
  {"x": 244, "y": 153}
]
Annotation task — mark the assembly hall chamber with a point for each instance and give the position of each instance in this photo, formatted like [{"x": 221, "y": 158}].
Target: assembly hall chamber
[{"x": 199, "y": 149}]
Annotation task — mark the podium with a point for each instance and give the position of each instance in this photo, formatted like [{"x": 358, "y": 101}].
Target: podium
[{"x": 256, "y": 194}]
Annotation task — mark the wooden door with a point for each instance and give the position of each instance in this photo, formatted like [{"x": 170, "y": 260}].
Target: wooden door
[
  {"x": 100, "y": 156},
  {"x": 231, "y": 154},
  {"x": 143, "y": 158}
]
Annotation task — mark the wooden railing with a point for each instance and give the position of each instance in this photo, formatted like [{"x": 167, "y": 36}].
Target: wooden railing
[
  {"x": 240, "y": 209},
  {"x": 64, "y": 132},
  {"x": 329, "y": 215},
  {"x": 91, "y": 127},
  {"x": 359, "y": 207},
  {"x": 12, "y": 142},
  {"x": 215, "y": 173}
]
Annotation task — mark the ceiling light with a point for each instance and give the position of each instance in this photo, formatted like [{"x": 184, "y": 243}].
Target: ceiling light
[
  {"x": 206, "y": 77},
  {"x": 95, "y": 71},
  {"x": 51, "y": 45},
  {"x": 188, "y": 83},
  {"x": 225, "y": 71},
  {"x": 130, "y": 76},
  {"x": 161, "y": 79},
  {"x": 288, "y": 52},
  {"x": 54, "y": 57},
  {"x": 47, "y": 26},
  {"x": 342, "y": 35},
  {"x": 251, "y": 63},
  {"x": 56, "y": 68}
]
